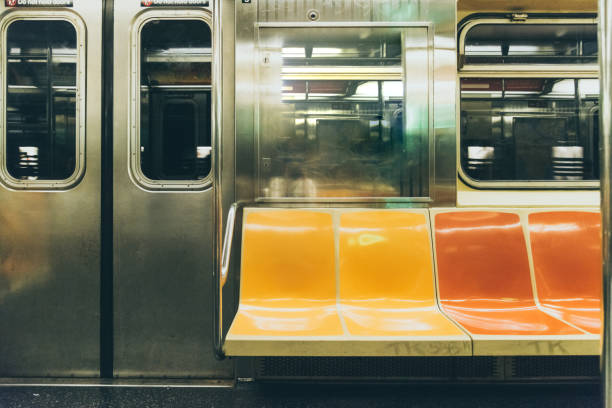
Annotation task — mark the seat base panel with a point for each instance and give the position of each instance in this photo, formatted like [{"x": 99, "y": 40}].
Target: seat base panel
[
  {"x": 346, "y": 346},
  {"x": 578, "y": 345}
]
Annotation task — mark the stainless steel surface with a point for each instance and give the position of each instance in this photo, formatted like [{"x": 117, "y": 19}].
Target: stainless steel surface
[
  {"x": 521, "y": 71},
  {"x": 163, "y": 245},
  {"x": 50, "y": 247},
  {"x": 227, "y": 242},
  {"x": 331, "y": 113},
  {"x": 605, "y": 61},
  {"x": 438, "y": 66},
  {"x": 228, "y": 145},
  {"x": 221, "y": 279},
  {"x": 218, "y": 245},
  {"x": 225, "y": 165},
  {"x": 142, "y": 383}
]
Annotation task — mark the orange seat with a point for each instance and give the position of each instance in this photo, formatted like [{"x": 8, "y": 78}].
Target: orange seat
[
  {"x": 485, "y": 285},
  {"x": 288, "y": 284},
  {"x": 387, "y": 283},
  {"x": 566, "y": 248}
]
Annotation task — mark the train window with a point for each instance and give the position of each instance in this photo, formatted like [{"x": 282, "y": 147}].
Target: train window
[
  {"x": 43, "y": 144},
  {"x": 175, "y": 101},
  {"x": 531, "y": 43},
  {"x": 529, "y": 129},
  {"x": 333, "y": 122}
]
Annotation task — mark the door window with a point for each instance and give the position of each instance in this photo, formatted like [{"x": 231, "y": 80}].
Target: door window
[{"x": 42, "y": 141}]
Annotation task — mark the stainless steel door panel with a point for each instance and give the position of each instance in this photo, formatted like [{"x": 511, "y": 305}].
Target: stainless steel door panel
[
  {"x": 50, "y": 246},
  {"x": 162, "y": 248}
]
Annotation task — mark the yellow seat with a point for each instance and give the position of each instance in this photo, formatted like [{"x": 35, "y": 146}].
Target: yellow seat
[
  {"x": 387, "y": 285},
  {"x": 288, "y": 285},
  {"x": 339, "y": 283}
]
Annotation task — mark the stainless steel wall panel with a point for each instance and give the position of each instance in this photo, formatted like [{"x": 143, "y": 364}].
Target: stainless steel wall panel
[
  {"x": 162, "y": 249},
  {"x": 437, "y": 14},
  {"x": 399, "y": 10},
  {"x": 246, "y": 16},
  {"x": 443, "y": 13},
  {"x": 297, "y": 10},
  {"x": 49, "y": 251},
  {"x": 228, "y": 148}
]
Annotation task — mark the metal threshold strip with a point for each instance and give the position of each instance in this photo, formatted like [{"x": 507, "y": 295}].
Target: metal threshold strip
[{"x": 98, "y": 382}]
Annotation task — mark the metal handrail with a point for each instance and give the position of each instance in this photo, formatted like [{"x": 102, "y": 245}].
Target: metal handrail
[
  {"x": 220, "y": 278},
  {"x": 605, "y": 117},
  {"x": 227, "y": 243}
]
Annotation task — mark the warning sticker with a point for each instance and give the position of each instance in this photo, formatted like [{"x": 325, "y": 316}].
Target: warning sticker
[
  {"x": 38, "y": 3},
  {"x": 173, "y": 3}
]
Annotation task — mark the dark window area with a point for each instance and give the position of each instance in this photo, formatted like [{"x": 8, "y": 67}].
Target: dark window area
[
  {"x": 175, "y": 114},
  {"x": 41, "y": 89},
  {"x": 531, "y": 44},
  {"x": 535, "y": 129}
]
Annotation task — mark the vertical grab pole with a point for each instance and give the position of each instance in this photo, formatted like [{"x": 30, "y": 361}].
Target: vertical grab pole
[
  {"x": 218, "y": 197},
  {"x": 605, "y": 59}
]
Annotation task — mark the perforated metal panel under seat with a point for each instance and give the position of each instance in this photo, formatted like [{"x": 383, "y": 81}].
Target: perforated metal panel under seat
[
  {"x": 378, "y": 368},
  {"x": 579, "y": 367},
  {"x": 582, "y": 368}
]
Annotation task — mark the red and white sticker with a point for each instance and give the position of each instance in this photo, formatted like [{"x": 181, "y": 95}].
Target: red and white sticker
[
  {"x": 38, "y": 3},
  {"x": 174, "y": 3}
]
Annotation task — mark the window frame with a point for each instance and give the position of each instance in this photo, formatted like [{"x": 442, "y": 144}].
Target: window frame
[
  {"x": 342, "y": 73},
  {"x": 80, "y": 110},
  {"x": 134, "y": 119},
  {"x": 501, "y": 71},
  {"x": 512, "y": 68}
]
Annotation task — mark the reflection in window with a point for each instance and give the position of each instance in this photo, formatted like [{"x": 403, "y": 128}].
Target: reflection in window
[
  {"x": 332, "y": 115},
  {"x": 175, "y": 133},
  {"x": 530, "y": 129},
  {"x": 531, "y": 43},
  {"x": 41, "y": 89}
]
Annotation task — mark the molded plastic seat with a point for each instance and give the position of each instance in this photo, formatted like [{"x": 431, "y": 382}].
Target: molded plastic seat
[
  {"x": 387, "y": 283},
  {"x": 485, "y": 285},
  {"x": 288, "y": 285},
  {"x": 566, "y": 248},
  {"x": 366, "y": 291}
]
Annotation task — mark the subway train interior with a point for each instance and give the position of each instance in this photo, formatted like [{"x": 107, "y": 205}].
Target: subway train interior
[{"x": 291, "y": 190}]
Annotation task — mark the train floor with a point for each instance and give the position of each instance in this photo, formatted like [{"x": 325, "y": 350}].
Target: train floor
[{"x": 302, "y": 395}]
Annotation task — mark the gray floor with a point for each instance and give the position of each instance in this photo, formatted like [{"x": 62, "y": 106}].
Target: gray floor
[{"x": 304, "y": 395}]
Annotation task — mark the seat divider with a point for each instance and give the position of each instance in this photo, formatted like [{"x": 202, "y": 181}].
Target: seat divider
[{"x": 432, "y": 240}]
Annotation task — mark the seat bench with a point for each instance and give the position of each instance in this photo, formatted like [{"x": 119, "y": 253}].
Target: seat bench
[
  {"x": 486, "y": 285},
  {"x": 366, "y": 282},
  {"x": 339, "y": 283}
]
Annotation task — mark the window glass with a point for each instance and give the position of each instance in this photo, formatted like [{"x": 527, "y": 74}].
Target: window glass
[
  {"x": 41, "y": 93},
  {"x": 531, "y": 43},
  {"x": 530, "y": 129},
  {"x": 175, "y": 114},
  {"x": 332, "y": 117}
]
